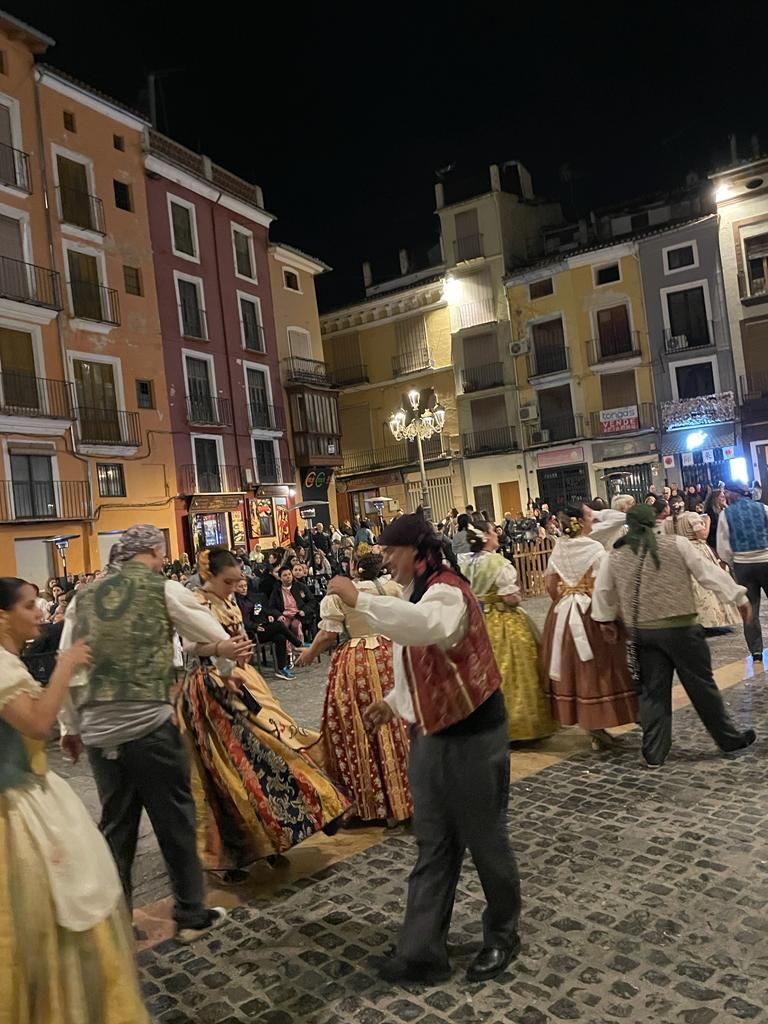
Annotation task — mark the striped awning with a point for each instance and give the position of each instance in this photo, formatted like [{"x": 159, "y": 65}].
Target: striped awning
[{"x": 720, "y": 435}]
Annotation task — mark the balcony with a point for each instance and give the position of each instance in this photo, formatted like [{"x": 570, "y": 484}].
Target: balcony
[
  {"x": 395, "y": 455},
  {"x": 94, "y": 302},
  {"x": 194, "y": 323},
  {"x": 47, "y": 499},
  {"x": 209, "y": 411},
  {"x": 703, "y": 337},
  {"x": 478, "y": 378},
  {"x": 544, "y": 360},
  {"x": 270, "y": 470},
  {"x": 306, "y": 371},
  {"x": 14, "y": 168},
  {"x": 221, "y": 480},
  {"x": 253, "y": 336},
  {"x": 489, "y": 442},
  {"x": 472, "y": 314},
  {"x": 611, "y": 350},
  {"x": 626, "y": 420},
  {"x": 698, "y": 412},
  {"x": 468, "y": 248},
  {"x": 21, "y": 394},
  {"x": 555, "y": 429},
  {"x": 263, "y": 416},
  {"x": 752, "y": 289},
  {"x": 411, "y": 362},
  {"x": 24, "y": 282},
  {"x": 346, "y": 376},
  {"x": 754, "y": 386},
  {"x": 81, "y": 209},
  {"x": 318, "y": 449},
  {"x": 110, "y": 427}
]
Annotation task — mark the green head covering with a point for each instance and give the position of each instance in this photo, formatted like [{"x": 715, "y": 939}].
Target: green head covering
[{"x": 641, "y": 532}]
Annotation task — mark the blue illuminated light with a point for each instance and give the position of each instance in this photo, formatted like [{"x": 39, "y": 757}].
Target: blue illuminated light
[
  {"x": 696, "y": 439},
  {"x": 738, "y": 467}
]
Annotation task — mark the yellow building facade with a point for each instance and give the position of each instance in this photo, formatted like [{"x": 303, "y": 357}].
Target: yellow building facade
[
  {"x": 83, "y": 411},
  {"x": 378, "y": 352},
  {"x": 582, "y": 359}
]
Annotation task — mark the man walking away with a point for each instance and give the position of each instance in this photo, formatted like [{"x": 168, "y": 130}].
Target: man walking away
[
  {"x": 447, "y": 687},
  {"x": 646, "y": 583},
  {"x": 742, "y": 542},
  {"x": 124, "y": 714}
]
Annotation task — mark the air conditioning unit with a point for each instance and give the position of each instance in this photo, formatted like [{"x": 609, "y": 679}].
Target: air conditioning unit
[
  {"x": 248, "y": 474},
  {"x": 529, "y": 412},
  {"x": 539, "y": 436},
  {"x": 678, "y": 342},
  {"x": 519, "y": 348}
]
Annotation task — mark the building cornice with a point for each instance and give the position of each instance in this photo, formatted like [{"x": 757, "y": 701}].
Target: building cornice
[
  {"x": 298, "y": 260},
  {"x": 81, "y": 94},
  {"x": 165, "y": 169},
  {"x": 384, "y": 308}
]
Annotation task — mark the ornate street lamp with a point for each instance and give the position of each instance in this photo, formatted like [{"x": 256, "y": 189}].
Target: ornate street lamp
[{"x": 419, "y": 428}]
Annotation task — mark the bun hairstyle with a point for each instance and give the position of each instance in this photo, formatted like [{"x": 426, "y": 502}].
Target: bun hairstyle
[
  {"x": 215, "y": 560},
  {"x": 369, "y": 566},
  {"x": 477, "y": 536},
  {"x": 571, "y": 520},
  {"x": 10, "y": 591}
]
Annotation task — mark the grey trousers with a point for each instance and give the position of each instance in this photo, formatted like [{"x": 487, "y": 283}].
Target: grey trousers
[
  {"x": 153, "y": 773},
  {"x": 661, "y": 652},
  {"x": 753, "y": 576},
  {"x": 460, "y": 788}
]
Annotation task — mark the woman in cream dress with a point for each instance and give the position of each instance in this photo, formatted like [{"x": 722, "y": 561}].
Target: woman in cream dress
[{"x": 67, "y": 947}]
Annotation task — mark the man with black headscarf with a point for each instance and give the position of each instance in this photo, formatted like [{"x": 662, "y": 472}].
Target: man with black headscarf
[
  {"x": 447, "y": 688},
  {"x": 123, "y": 714},
  {"x": 646, "y": 583}
]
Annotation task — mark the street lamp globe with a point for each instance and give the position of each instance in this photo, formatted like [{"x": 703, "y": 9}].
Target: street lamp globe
[{"x": 414, "y": 397}]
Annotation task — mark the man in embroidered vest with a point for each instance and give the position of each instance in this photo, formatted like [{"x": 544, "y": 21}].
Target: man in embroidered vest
[
  {"x": 447, "y": 687},
  {"x": 122, "y": 713},
  {"x": 742, "y": 542},
  {"x": 646, "y": 583}
]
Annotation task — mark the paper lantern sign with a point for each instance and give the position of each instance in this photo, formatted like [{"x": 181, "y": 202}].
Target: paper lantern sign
[
  {"x": 669, "y": 461},
  {"x": 708, "y": 455},
  {"x": 687, "y": 458}
]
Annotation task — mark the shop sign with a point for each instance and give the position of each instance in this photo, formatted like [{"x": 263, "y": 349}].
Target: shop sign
[
  {"x": 687, "y": 458},
  {"x": 708, "y": 455},
  {"x": 314, "y": 483},
  {"x": 669, "y": 461},
  {"x": 561, "y": 457},
  {"x": 615, "y": 421},
  {"x": 214, "y": 502}
]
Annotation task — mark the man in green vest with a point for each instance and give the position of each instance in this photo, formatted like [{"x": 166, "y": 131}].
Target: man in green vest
[{"x": 123, "y": 715}]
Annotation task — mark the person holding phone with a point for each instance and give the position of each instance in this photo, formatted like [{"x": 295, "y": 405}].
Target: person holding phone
[{"x": 260, "y": 792}]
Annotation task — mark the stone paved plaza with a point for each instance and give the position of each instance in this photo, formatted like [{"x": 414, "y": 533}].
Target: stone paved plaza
[{"x": 644, "y": 900}]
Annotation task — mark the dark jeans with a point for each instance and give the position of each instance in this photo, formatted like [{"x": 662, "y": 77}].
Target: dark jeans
[
  {"x": 152, "y": 773},
  {"x": 277, "y": 633},
  {"x": 685, "y": 650},
  {"x": 753, "y": 576},
  {"x": 460, "y": 787}
]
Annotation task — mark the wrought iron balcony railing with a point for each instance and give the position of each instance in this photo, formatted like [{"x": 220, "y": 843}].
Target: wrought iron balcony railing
[
  {"x": 81, "y": 209},
  {"x": 411, "y": 362},
  {"x": 297, "y": 370},
  {"x": 608, "y": 350},
  {"x": 263, "y": 416},
  {"x": 400, "y": 454},
  {"x": 478, "y": 378},
  {"x": 271, "y": 471},
  {"x": 552, "y": 429},
  {"x": 253, "y": 336},
  {"x": 21, "y": 394},
  {"x": 14, "y": 168},
  {"x": 547, "y": 359},
  {"x": 45, "y": 499},
  {"x": 700, "y": 336},
  {"x": 194, "y": 322},
  {"x": 209, "y": 410},
  {"x": 489, "y": 441},
  {"x": 94, "y": 302},
  {"x": 102, "y": 426},
  {"x": 25, "y": 282},
  {"x": 346, "y": 376},
  {"x": 217, "y": 480}
]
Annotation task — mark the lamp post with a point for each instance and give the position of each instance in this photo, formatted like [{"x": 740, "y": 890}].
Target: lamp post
[{"x": 419, "y": 427}]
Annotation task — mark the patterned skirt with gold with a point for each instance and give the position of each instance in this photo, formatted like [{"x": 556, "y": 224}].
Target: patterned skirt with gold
[
  {"x": 257, "y": 790},
  {"x": 371, "y": 767},
  {"x": 516, "y": 649}
]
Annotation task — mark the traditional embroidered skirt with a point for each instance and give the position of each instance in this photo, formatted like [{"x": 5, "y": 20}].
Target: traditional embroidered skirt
[
  {"x": 710, "y": 609},
  {"x": 371, "y": 767},
  {"x": 257, "y": 790}
]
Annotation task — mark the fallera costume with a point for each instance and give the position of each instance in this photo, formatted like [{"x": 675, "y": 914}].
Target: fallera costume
[
  {"x": 711, "y": 610},
  {"x": 588, "y": 680},
  {"x": 257, "y": 790},
  {"x": 371, "y": 768},
  {"x": 514, "y": 645},
  {"x": 65, "y": 935}
]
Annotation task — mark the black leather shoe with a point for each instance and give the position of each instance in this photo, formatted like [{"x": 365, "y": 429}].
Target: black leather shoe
[
  {"x": 746, "y": 739},
  {"x": 492, "y": 961},
  {"x": 397, "y": 969}
]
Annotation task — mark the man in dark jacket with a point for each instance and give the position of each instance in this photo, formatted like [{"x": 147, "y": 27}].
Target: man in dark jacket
[{"x": 320, "y": 539}]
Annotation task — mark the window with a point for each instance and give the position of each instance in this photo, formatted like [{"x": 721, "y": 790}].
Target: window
[
  {"x": 20, "y": 388},
  {"x": 556, "y": 414},
  {"x": 96, "y": 393},
  {"x": 680, "y": 257},
  {"x": 118, "y": 142},
  {"x": 207, "y": 465},
  {"x": 639, "y": 221},
  {"x": 756, "y": 251},
  {"x": 13, "y": 169},
  {"x": 145, "y": 398},
  {"x": 123, "y": 198},
  {"x": 111, "y": 479},
  {"x": 607, "y": 274},
  {"x": 69, "y": 121},
  {"x": 695, "y": 380},
  {"x": 539, "y": 289},
  {"x": 32, "y": 482},
  {"x": 267, "y": 468},
  {"x": 618, "y": 389},
  {"x": 193, "y": 323},
  {"x": 613, "y": 332},
  {"x": 245, "y": 264},
  {"x": 183, "y": 229},
  {"x": 469, "y": 241},
  {"x": 85, "y": 286},
  {"x": 201, "y": 404},
  {"x": 258, "y": 399},
  {"x": 549, "y": 353},
  {"x": 291, "y": 280},
  {"x": 76, "y": 204},
  {"x": 250, "y": 320},
  {"x": 688, "y": 324},
  {"x": 132, "y": 280}
]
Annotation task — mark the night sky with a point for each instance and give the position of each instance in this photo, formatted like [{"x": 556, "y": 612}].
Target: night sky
[{"x": 342, "y": 113}]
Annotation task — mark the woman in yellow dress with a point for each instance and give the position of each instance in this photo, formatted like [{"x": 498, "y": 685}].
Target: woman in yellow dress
[
  {"x": 257, "y": 790},
  {"x": 65, "y": 935},
  {"x": 494, "y": 583}
]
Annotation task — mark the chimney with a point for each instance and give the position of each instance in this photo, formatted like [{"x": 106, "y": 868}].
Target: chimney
[
  {"x": 259, "y": 196},
  {"x": 207, "y": 171},
  {"x": 403, "y": 257},
  {"x": 526, "y": 184},
  {"x": 495, "y": 178},
  {"x": 583, "y": 232},
  {"x": 439, "y": 195},
  {"x": 367, "y": 275},
  {"x": 754, "y": 143},
  {"x": 734, "y": 149}
]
